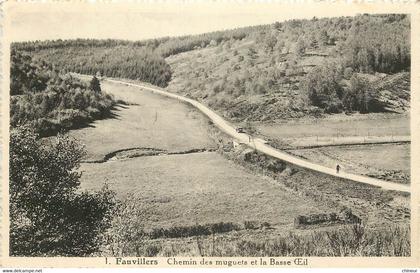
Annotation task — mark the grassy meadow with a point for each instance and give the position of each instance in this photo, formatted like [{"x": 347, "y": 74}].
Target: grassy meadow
[
  {"x": 335, "y": 129},
  {"x": 180, "y": 189},
  {"x": 364, "y": 159},
  {"x": 148, "y": 121},
  {"x": 199, "y": 188}
]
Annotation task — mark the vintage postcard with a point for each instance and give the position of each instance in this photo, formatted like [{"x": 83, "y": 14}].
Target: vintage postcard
[{"x": 210, "y": 134}]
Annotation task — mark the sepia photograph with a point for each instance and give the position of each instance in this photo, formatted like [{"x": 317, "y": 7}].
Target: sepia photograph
[{"x": 177, "y": 133}]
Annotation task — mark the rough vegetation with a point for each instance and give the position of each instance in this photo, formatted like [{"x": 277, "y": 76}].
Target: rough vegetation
[
  {"x": 141, "y": 60},
  {"x": 372, "y": 205},
  {"x": 355, "y": 240}
]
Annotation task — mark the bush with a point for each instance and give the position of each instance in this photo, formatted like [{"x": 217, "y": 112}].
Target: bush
[
  {"x": 251, "y": 225},
  {"x": 95, "y": 85},
  {"x": 49, "y": 215},
  {"x": 322, "y": 88},
  {"x": 348, "y": 72},
  {"x": 361, "y": 96}
]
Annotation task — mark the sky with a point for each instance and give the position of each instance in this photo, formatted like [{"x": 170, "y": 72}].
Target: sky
[{"x": 29, "y": 21}]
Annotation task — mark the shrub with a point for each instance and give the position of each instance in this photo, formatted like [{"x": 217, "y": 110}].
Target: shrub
[
  {"x": 251, "y": 225},
  {"x": 348, "y": 72},
  {"x": 361, "y": 96},
  {"x": 195, "y": 230},
  {"x": 354, "y": 240},
  {"x": 322, "y": 87}
]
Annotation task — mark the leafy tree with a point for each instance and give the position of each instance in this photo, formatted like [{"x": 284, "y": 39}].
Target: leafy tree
[
  {"x": 26, "y": 76},
  {"x": 49, "y": 215},
  {"x": 361, "y": 96},
  {"x": 270, "y": 42},
  {"x": 322, "y": 87},
  {"x": 300, "y": 46},
  {"x": 322, "y": 38},
  {"x": 379, "y": 44}
]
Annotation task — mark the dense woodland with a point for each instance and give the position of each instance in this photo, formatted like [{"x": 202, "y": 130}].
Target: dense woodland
[{"x": 50, "y": 101}]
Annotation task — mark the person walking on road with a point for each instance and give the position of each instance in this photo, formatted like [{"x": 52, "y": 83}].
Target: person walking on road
[{"x": 338, "y": 168}]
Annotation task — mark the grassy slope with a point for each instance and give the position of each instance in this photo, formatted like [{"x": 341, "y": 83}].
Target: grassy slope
[
  {"x": 196, "y": 73},
  {"x": 180, "y": 190}
]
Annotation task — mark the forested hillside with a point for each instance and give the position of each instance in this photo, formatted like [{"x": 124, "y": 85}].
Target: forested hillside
[
  {"x": 302, "y": 67},
  {"x": 50, "y": 101},
  {"x": 283, "y": 70},
  {"x": 140, "y": 60}
]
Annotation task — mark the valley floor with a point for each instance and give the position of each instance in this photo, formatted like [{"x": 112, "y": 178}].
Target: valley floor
[
  {"x": 179, "y": 189},
  {"x": 160, "y": 155}
]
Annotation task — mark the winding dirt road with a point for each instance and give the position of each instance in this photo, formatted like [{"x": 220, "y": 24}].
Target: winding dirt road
[{"x": 260, "y": 145}]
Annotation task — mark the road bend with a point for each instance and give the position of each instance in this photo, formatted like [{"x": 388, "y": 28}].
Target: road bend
[{"x": 260, "y": 144}]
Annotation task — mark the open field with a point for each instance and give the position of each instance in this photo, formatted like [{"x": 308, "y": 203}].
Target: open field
[
  {"x": 376, "y": 145},
  {"x": 180, "y": 190},
  {"x": 149, "y": 121},
  {"x": 383, "y": 161},
  {"x": 338, "y": 129}
]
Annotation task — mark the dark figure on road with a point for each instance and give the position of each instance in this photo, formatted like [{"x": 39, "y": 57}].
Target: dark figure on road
[{"x": 338, "y": 168}]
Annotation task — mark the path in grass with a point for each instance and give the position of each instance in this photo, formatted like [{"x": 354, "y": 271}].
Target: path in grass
[{"x": 149, "y": 121}]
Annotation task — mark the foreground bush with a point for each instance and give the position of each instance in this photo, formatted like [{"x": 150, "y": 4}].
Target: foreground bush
[{"x": 49, "y": 215}]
